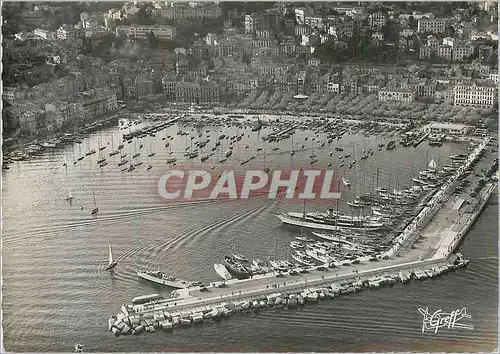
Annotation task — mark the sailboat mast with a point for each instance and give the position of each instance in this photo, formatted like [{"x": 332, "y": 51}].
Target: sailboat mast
[
  {"x": 303, "y": 219},
  {"x": 337, "y": 214}
]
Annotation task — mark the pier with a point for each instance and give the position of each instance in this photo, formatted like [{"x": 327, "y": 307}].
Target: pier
[
  {"x": 283, "y": 132},
  {"x": 420, "y": 140},
  {"x": 439, "y": 227},
  {"x": 150, "y": 129}
]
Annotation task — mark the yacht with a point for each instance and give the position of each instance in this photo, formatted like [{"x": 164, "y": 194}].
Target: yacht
[
  {"x": 303, "y": 259},
  {"x": 346, "y": 182},
  {"x": 331, "y": 221},
  {"x": 235, "y": 268},
  {"x": 163, "y": 279},
  {"x": 296, "y": 244},
  {"x": 239, "y": 257}
]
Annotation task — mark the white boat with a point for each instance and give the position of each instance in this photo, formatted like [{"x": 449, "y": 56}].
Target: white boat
[
  {"x": 346, "y": 182},
  {"x": 240, "y": 257},
  {"x": 320, "y": 258},
  {"x": 303, "y": 259},
  {"x": 432, "y": 165},
  {"x": 279, "y": 265},
  {"x": 145, "y": 298},
  {"x": 111, "y": 263},
  {"x": 78, "y": 348},
  {"x": 303, "y": 238},
  {"x": 163, "y": 279},
  {"x": 295, "y": 244},
  {"x": 330, "y": 221},
  {"x": 222, "y": 271},
  {"x": 70, "y": 196}
]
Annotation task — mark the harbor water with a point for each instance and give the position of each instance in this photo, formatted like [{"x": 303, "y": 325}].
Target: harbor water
[{"x": 56, "y": 293}]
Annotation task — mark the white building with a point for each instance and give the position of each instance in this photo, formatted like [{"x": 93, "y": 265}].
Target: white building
[
  {"x": 449, "y": 41},
  {"x": 249, "y": 25},
  {"x": 396, "y": 94},
  {"x": 448, "y": 128},
  {"x": 47, "y": 35},
  {"x": 434, "y": 26},
  {"x": 160, "y": 32},
  {"x": 333, "y": 87},
  {"x": 66, "y": 32},
  {"x": 406, "y": 32},
  {"x": 377, "y": 19},
  {"x": 494, "y": 78},
  {"x": 474, "y": 95}
]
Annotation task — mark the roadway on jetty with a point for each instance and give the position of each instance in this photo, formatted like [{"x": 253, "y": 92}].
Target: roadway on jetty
[{"x": 436, "y": 233}]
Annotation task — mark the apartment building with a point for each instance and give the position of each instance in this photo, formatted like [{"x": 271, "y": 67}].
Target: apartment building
[
  {"x": 99, "y": 104},
  {"x": 425, "y": 52},
  {"x": 474, "y": 95},
  {"x": 377, "y": 20},
  {"x": 197, "y": 92},
  {"x": 191, "y": 11},
  {"x": 44, "y": 34},
  {"x": 462, "y": 51},
  {"x": 137, "y": 31},
  {"x": 66, "y": 32},
  {"x": 444, "y": 51},
  {"x": 434, "y": 26},
  {"x": 396, "y": 94}
]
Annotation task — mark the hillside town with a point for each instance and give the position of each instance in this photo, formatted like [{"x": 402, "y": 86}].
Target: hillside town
[{"x": 68, "y": 64}]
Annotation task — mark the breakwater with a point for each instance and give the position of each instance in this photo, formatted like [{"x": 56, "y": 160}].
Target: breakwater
[{"x": 135, "y": 319}]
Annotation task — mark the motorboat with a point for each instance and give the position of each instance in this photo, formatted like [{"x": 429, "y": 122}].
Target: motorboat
[{"x": 239, "y": 257}]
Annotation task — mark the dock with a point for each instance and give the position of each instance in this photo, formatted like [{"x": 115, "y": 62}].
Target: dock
[
  {"x": 441, "y": 226},
  {"x": 420, "y": 140},
  {"x": 272, "y": 136},
  {"x": 150, "y": 129}
]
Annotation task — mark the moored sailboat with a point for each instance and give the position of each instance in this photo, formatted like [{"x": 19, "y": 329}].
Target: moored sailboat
[{"x": 96, "y": 209}]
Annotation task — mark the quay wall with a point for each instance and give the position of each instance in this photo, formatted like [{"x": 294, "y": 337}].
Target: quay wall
[
  {"x": 472, "y": 219},
  {"x": 432, "y": 207}
]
